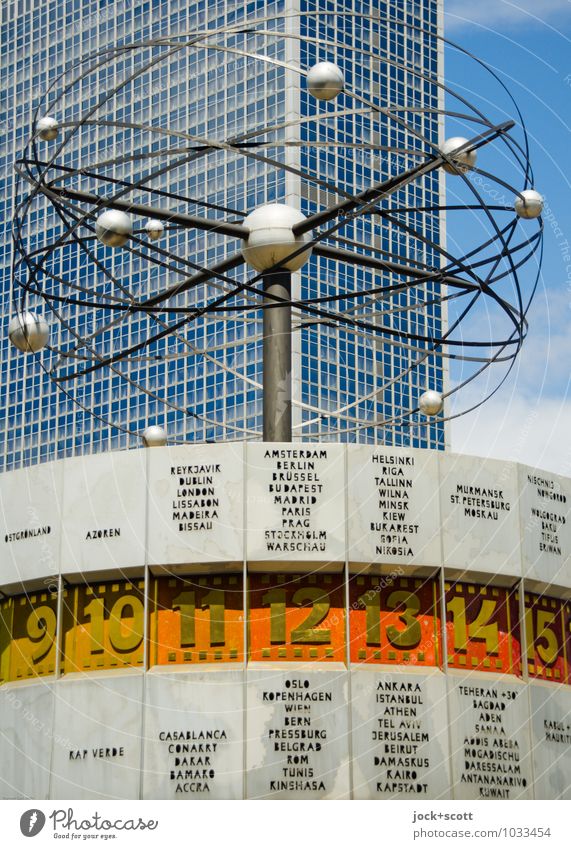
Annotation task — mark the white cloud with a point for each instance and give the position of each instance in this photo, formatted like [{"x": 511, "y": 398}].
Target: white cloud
[
  {"x": 529, "y": 419},
  {"x": 491, "y": 13},
  {"x": 535, "y": 433}
]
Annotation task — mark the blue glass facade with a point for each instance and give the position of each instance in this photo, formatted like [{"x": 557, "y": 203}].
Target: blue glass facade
[
  {"x": 210, "y": 374},
  {"x": 341, "y": 370}
]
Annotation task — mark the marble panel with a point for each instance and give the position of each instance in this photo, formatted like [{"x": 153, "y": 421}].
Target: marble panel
[
  {"x": 394, "y": 507},
  {"x": 104, "y": 512},
  {"x": 297, "y": 743},
  {"x": 194, "y": 734},
  {"x": 480, "y": 521},
  {"x": 100, "y": 716},
  {"x": 26, "y": 737},
  {"x": 545, "y": 512},
  {"x": 196, "y": 500},
  {"x": 30, "y": 519},
  {"x": 296, "y": 504},
  {"x": 400, "y": 734},
  {"x": 490, "y": 740},
  {"x": 550, "y": 710}
]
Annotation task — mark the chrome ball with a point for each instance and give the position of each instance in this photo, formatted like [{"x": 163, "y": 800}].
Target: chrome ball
[
  {"x": 271, "y": 238},
  {"x": 48, "y": 128},
  {"x": 463, "y": 161},
  {"x": 154, "y": 436},
  {"x": 113, "y": 228},
  {"x": 431, "y": 402},
  {"x": 28, "y": 332},
  {"x": 154, "y": 229},
  {"x": 528, "y": 204},
  {"x": 325, "y": 81}
]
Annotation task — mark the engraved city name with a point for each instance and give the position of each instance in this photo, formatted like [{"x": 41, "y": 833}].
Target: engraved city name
[
  {"x": 401, "y": 741},
  {"x": 557, "y": 731},
  {"x": 196, "y": 502},
  {"x": 481, "y": 502},
  {"x": 492, "y": 757},
  {"x": 103, "y": 752},
  {"x": 191, "y": 758},
  {"x": 28, "y": 533},
  {"x": 295, "y": 489},
  {"x": 394, "y": 531},
  {"x": 297, "y": 733},
  {"x": 103, "y": 533},
  {"x": 547, "y": 514}
]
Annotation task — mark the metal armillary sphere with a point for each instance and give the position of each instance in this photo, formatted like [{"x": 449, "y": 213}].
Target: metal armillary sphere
[{"x": 181, "y": 251}]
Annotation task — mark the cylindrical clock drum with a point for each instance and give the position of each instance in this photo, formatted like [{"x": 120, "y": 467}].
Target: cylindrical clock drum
[{"x": 264, "y": 621}]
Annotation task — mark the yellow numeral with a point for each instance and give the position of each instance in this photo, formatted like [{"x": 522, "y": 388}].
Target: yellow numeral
[
  {"x": 41, "y": 629},
  {"x": 541, "y": 638},
  {"x": 307, "y": 632},
  {"x": 215, "y": 602},
  {"x": 276, "y": 599},
  {"x": 479, "y": 629},
  {"x": 411, "y": 635},
  {"x": 186, "y": 603},
  {"x": 123, "y": 641},
  {"x": 371, "y": 601},
  {"x": 131, "y": 639}
]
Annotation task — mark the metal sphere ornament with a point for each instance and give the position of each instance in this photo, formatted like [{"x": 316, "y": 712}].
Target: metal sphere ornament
[
  {"x": 154, "y": 229},
  {"x": 325, "y": 81},
  {"x": 28, "y": 332},
  {"x": 271, "y": 240},
  {"x": 154, "y": 436},
  {"x": 528, "y": 204},
  {"x": 431, "y": 403},
  {"x": 345, "y": 201},
  {"x": 462, "y": 161},
  {"x": 113, "y": 228},
  {"x": 48, "y": 128}
]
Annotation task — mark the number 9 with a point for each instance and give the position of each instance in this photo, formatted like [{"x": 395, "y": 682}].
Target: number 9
[{"x": 41, "y": 629}]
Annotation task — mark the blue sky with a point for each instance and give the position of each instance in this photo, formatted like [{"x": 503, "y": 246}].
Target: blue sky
[{"x": 529, "y": 43}]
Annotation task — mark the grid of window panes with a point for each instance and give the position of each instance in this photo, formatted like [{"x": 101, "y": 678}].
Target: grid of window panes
[
  {"x": 373, "y": 392},
  {"x": 39, "y": 420}
]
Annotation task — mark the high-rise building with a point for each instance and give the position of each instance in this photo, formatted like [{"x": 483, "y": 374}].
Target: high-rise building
[{"x": 203, "y": 384}]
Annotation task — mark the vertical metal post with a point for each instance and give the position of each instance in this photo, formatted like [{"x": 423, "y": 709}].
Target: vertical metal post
[{"x": 277, "y": 359}]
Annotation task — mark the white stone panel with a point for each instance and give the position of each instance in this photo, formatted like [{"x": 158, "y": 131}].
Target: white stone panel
[
  {"x": 550, "y": 709},
  {"x": 490, "y": 739},
  {"x": 480, "y": 521},
  {"x": 30, "y": 515},
  {"x": 400, "y": 734},
  {"x": 545, "y": 511},
  {"x": 394, "y": 507},
  {"x": 104, "y": 512},
  {"x": 194, "y": 734},
  {"x": 26, "y": 716},
  {"x": 100, "y": 716},
  {"x": 297, "y": 733},
  {"x": 196, "y": 504},
  {"x": 296, "y": 503}
]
